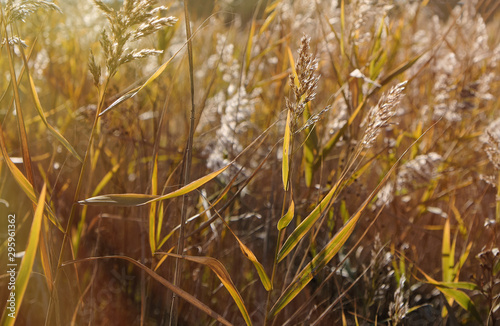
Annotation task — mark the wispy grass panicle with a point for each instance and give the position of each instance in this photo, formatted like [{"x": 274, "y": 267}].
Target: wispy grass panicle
[
  {"x": 380, "y": 114},
  {"x": 306, "y": 68},
  {"x": 304, "y": 88},
  {"x": 492, "y": 148},
  {"x": 399, "y": 308},
  {"x": 134, "y": 21},
  {"x": 20, "y": 10},
  {"x": 95, "y": 69}
]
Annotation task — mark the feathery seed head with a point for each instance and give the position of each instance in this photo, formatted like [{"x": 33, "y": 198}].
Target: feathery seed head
[
  {"x": 492, "y": 148},
  {"x": 380, "y": 114},
  {"x": 135, "y": 20},
  {"x": 304, "y": 88},
  {"x": 19, "y": 10}
]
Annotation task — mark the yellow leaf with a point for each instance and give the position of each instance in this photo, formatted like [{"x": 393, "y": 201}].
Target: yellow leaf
[
  {"x": 26, "y": 267},
  {"x": 286, "y": 152},
  {"x": 218, "y": 268}
]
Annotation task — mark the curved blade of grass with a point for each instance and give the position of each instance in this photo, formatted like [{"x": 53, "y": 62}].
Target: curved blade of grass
[
  {"x": 142, "y": 199},
  {"x": 133, "y": 92},
  {"x": 39, "y": 109},
  {"x": 24, "y": 184},
  {"x": 118, "y": 200},
  {"x": 402, "y": 68},
  {"x": 292, "y": 65},
  {"x": 496, "y": 267},
  {"x": 218, "y": 268},
  {"x": 180, "y": 292},
  {"x": 461, "y": 261},
  {"x": 452, "y": 292},
  {"x": 26, "y": 267},
  {"x": 258, "y": 266},
  {"x": 457, "y": 285},
  {"x": 287, "y": 218},
  {"x": 250, "y": 255},
  {"x": 286, "y": 151}
]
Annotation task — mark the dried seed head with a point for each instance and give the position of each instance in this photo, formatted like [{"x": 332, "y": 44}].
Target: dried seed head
[
  {"x": 15, "y": 41},
  {"x": 313, "y": 119},
  {"x": 492, "y": 149},
  {"x": 136, "y": 19},
  {"x": 19, "y": 10},
  {"x": 306, "y": 68},
  {"x": 399, "y": 308},
  {"x": 95, "y": 69},
  {"x": 304, "y": 88},
  {"x": 379, "y": 115}
]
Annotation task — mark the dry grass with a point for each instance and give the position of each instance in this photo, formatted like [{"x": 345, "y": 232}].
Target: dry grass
[{"x": 341, "y": 164}]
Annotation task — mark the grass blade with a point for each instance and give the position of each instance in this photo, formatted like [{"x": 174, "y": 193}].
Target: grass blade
[
  {"x": 152, "y": 209},
  {"x": 450, "y": 290},
  {"x": 249, "y": 255},
  {"x": 218, "y": 268},
  {"x": 118, "y": 200},
  {"x": 269, "y": 18},
  {"x": 286, "y": 151},
  {"x": 287, "y": 218},
  {"x": 142, "y": 199},
  {"x": 258, "y": 266},
  {"x": 445, "y": 254},
  {"x": 26, "y": 267}
]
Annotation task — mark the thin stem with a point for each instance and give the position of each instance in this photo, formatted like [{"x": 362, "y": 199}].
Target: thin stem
[{"x": 187, "y": 170}]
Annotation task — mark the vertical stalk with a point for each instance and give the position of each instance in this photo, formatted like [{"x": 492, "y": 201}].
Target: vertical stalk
[{"x": 187, "y": 171}]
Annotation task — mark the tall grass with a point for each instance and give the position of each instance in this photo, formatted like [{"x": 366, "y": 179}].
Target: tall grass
[{"x": 268, "y": 162}]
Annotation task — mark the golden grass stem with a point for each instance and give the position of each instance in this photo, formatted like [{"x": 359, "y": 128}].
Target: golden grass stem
[{"x": 187, "y": 170}]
